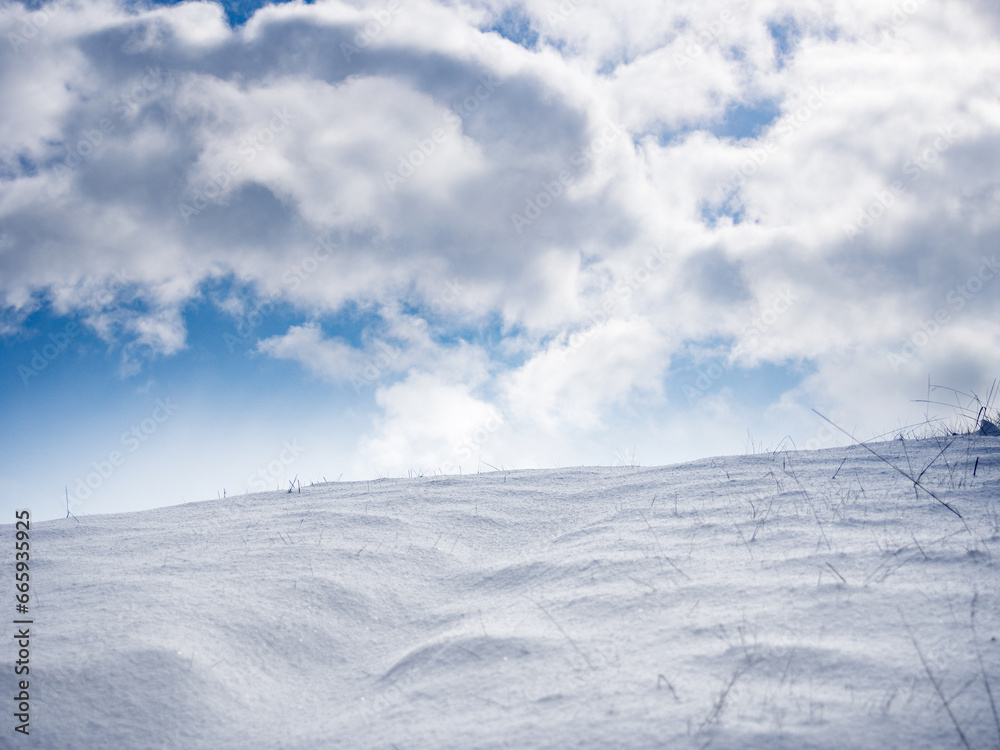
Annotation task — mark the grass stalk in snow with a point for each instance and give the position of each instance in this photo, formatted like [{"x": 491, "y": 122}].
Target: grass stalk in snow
[
  {"x": 982, "y": 668},
  {"x": 661, "y": 679},
  {"x": 809, "y": 501},
  {"x": 937, "y": 688},
  {"x": 574, "y": 644},
  {"x": 720, "y": 702},
  {"x": 868, "y": 448}
]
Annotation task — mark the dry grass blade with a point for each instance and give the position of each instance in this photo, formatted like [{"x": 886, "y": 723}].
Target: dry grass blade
[
  {"x": 939, "y": 454},
  {"x": 720, "y": 702},
  {"x": 890, "y": 463},
  {"x": 937, "y": 688},
  {"x": 836, "y": 572},
  {"x": 574, "y": 644},
  {"x": 661, "y": 679},
  {"x": 982, "y": 668},
  {"x": 659, "y": 548}
]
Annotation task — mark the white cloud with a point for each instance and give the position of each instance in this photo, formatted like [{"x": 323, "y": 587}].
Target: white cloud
[
  {"x": 429, "y": 426},
  {"x": 331, "y": 358},
  {"x": 163, "y": 142}
]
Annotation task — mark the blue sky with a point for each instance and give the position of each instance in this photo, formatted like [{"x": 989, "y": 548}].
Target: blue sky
[{"x": 345, "y": 240}]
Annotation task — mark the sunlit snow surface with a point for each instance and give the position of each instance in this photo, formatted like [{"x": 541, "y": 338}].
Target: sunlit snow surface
[{"x": 759, "y": 601}]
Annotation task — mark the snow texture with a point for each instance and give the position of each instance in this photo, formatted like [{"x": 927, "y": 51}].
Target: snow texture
[{"x": 775, "y": 600}]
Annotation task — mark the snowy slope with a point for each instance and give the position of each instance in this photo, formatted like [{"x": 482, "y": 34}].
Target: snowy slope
[{"x": 757, "y": 601}]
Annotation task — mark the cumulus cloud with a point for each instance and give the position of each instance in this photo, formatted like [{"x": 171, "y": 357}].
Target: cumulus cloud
[{"x": 489, "y": 176}]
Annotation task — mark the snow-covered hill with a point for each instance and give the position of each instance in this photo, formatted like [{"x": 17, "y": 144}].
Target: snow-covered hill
[{"x": 765, "y": 601}]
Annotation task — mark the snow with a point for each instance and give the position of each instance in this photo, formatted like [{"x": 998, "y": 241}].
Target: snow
[{"x": 774, "y": 600}]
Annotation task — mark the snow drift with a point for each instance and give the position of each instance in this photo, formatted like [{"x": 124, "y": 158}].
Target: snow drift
[{"x": 780, "y": 600}]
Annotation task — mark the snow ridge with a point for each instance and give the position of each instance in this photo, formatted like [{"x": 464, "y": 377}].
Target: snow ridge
[{"x": 772, "y": 601}]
